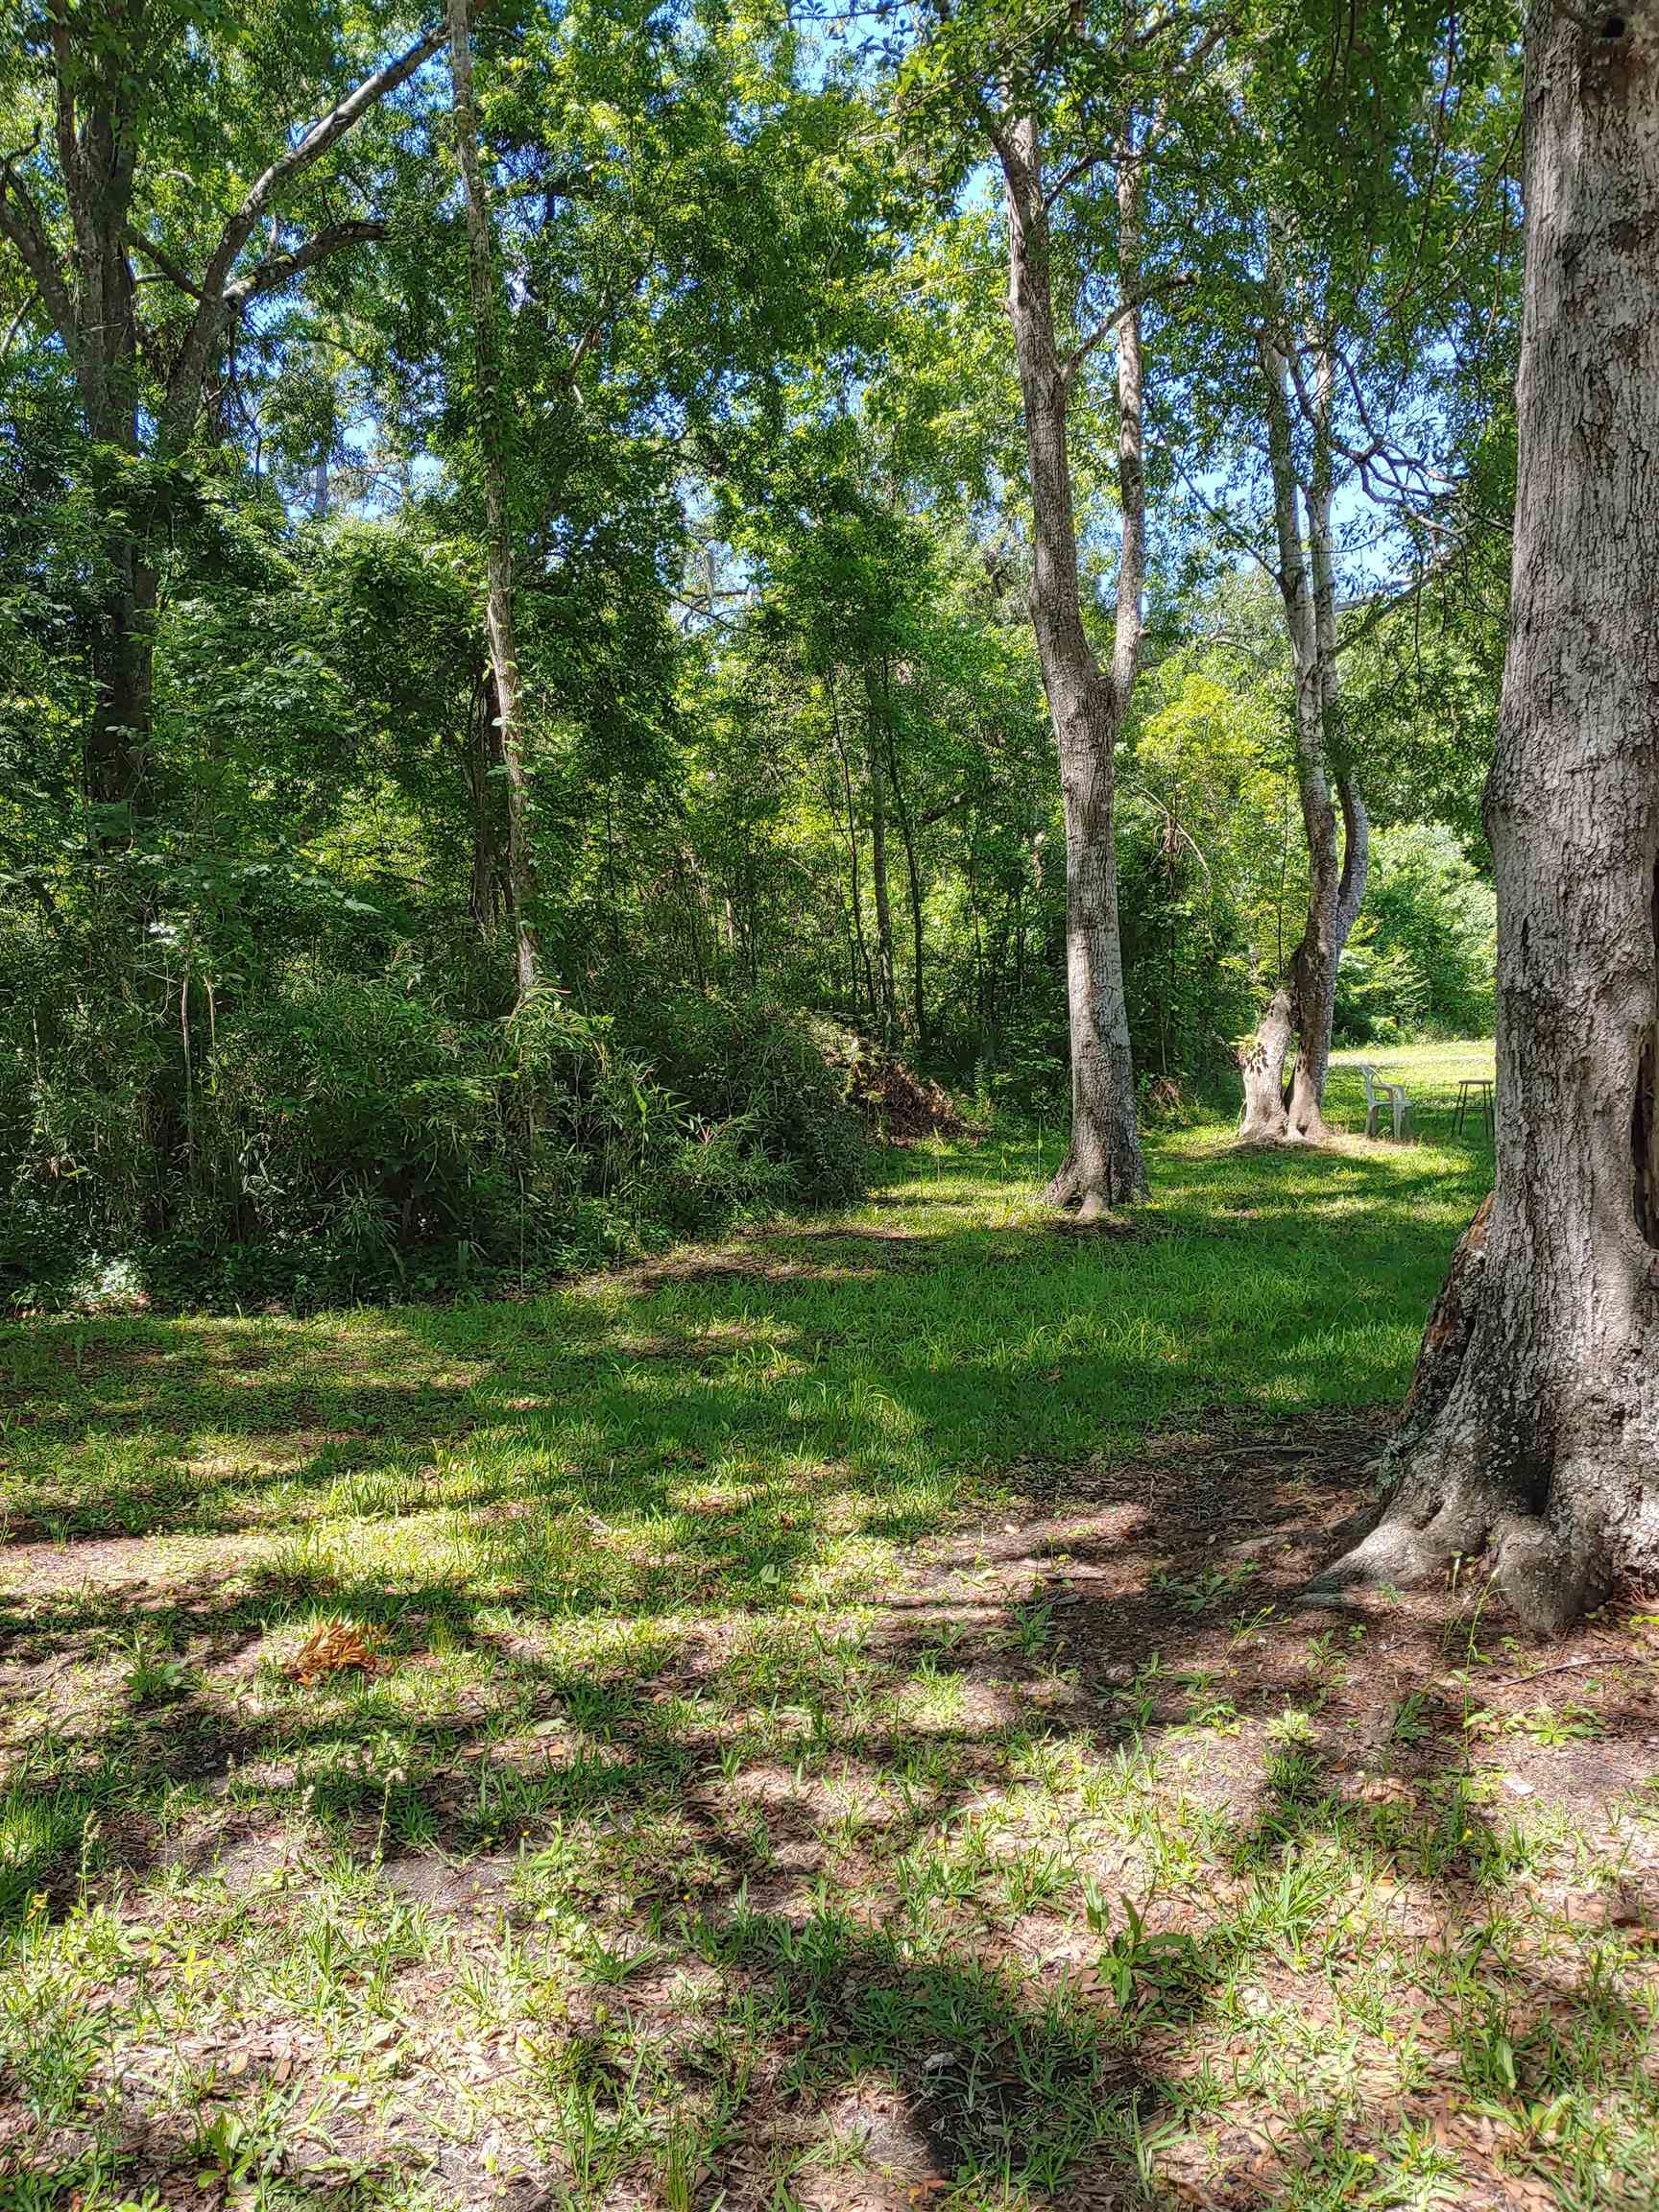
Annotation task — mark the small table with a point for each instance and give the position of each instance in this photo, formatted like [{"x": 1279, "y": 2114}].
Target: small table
[{"x": 1481, "y": 1085}]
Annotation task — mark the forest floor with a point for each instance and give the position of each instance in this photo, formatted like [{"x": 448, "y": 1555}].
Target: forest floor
[{"x": 837, "y": 1730}]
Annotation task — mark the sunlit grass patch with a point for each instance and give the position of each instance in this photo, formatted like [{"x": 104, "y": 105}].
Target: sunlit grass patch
[{"x": 839, "y": 1723}]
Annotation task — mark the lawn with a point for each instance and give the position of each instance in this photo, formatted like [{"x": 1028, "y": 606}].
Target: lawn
[{"x": 820, "y": 1720}]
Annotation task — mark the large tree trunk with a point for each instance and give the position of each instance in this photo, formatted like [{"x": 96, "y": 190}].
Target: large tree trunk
[
  {"x": 1302, "y": 1008},
  {"x": 1103, "y": 1164},
  {"x": 484, "y": 786},
  {"x": 862, "y": 942},
  {"x": 116, "y": 747},
  {"x": 493, "y": 446},
  {"x": 97, "y": 154},
  {"x": 1262, "y": 1066},
  {"x": 1532, "y": 1436}
]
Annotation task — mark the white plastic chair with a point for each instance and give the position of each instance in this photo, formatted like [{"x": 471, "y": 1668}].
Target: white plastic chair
[{"x": 1379, "y": 1095}]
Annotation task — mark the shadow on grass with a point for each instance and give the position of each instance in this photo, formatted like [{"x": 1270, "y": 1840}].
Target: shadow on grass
[
  {"x": 912, "y": 1355},
  {"x": 694, "y": 1669},
  {"x": 1006, "y": 2074}
]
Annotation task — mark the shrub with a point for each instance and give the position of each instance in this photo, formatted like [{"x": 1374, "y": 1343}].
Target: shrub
[
  {"x": 344, "y": 1137},
  {"x": 1031, "y": 1074},
  {"x": 751, "y": 1064}
]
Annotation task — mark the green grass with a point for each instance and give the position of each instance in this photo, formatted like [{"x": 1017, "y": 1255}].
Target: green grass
[
  {"x": 942, "y": 1332},
  {"x": 843, "y": 1735}
]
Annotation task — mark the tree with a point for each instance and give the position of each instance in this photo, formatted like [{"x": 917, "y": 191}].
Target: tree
[
  {"x": 1074, "y": 111},
  {"x": 1086, "y": 706},
  {"x": 1532, "y": 1435},
  {"x": 1303, "y": 1006},
  {"x": 91, "y": 216},
  {"x": 490, "y": 403},
  {"x": 1326, "y": 386}
]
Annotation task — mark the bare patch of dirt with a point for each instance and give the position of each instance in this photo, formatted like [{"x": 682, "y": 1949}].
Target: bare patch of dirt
[{"x": 204, "y": 1565}]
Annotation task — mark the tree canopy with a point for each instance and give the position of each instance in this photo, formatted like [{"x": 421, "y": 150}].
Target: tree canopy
[{"x": 776, "y": 754}]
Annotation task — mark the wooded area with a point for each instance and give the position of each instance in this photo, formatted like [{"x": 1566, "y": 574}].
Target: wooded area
[
  {"x": 765, "y": 704},
  {"x": 517, "y": 603}
]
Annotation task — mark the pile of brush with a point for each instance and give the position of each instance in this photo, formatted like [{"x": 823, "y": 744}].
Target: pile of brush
[{"x": 897, "y": 1105}]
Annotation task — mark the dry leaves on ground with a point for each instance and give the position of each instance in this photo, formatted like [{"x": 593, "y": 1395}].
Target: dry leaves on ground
[{"x": 335, "y": 1648}]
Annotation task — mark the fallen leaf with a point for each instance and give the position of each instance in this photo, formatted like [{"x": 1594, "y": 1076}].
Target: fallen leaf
[{"x": 336, "y": 1647}]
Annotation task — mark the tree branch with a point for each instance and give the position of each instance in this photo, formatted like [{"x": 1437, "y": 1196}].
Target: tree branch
[
  {"x": 159, "y": 261},
  {"x": 1102, "y": 330},
  {"x": 21, "y": 224},
  {"x": 15, "y": 324},
  {"x": 68, "y": 141},
  {"x": 185, "y": 385},
  {"x": 280, "y": 269}
]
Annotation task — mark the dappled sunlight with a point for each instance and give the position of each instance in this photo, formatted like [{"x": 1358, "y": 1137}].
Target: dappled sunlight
[{"x": 845, "y": 1731}]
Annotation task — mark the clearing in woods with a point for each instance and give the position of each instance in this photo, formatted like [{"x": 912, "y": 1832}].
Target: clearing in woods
[{"x": 836, "y": 1731}]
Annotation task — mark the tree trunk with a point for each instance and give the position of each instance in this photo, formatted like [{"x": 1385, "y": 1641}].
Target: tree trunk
[
  {"x": 117, "y": 742},
  {"x": 484, "y": 786},
  {"x": 880, "y": 893},
  {"x": 863, "y": 943},
  {"x": 1304, "y": 1005},
  {"x": 97, "y": 164},
  {"x": 1533, "y": 1435},
  {"x": 1262, "y": 1065},
  {"x": 1103, "y": 1164},
  {"x": 493, "y": 448},
  {"x": 913, "y": 874}
]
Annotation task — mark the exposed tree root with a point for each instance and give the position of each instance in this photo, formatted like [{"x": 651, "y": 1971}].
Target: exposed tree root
[
  {"x": 1450, "y": 1509},
  {"x": 1086, "y": 1202},
  {"x": 1062, "y": 1188},
  {"x": 1090, "y": 1192},
  {"x": 1548, "y": 1574}
]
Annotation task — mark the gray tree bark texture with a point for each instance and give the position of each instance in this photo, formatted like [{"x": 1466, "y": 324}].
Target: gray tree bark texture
[
  {"x": 1301, "y": 1009},
  {"x": 498, "y": 549},
  {"x": 484, "y": 786},
  {"x": 1086, "y": 706},
  {"x": 1531, "y": 1438}
]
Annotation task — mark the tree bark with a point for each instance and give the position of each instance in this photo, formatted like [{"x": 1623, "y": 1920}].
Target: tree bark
[
  {"x": 484, "y": 787},
  {"x": 1303, "y": 1007},
  {"x": 880, "y": 892},
  {"x": 116, "y": 747},
  {"x": 913, "y": 876},
  {"x": 862, "y": 940},
  {"x": 491, "y": 403},
  {"x": 1533, "y": 1435},
  {"x": 1087, "y": 707},
  {"x": 1262, "y": 1065}
]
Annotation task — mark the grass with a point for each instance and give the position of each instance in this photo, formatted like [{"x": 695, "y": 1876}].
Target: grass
[{"x": 837, "y": 1732}]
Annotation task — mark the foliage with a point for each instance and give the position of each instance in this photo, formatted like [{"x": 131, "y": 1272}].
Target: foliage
[
  {"x": 786, "y": 751},
  {"x": 751, "y": 1069},
  {"x": 1424, "y": 964},
  {"x": 343, "y": 1137}
]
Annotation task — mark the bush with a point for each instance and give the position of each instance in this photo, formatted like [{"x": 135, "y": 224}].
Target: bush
[
  {"x": 749, "y": 1062},
  {"x": 1030, "y": 1076},
  {"x": 346, "y": 1137}
]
